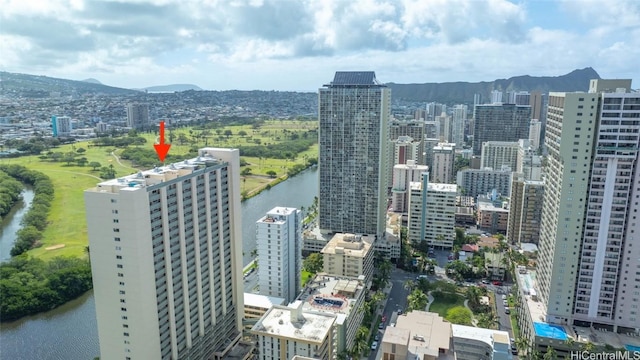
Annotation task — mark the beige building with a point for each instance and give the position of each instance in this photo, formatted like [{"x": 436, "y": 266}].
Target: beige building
[
  {"x": 525, "y": 210},
  {"x": 444, "y": 157},
  {"x": 349, "y": 255},
  {"x": 418, "y": 335},
  {"x": 255, "y": 306},
  {"x": 286, "y": 331},
  {"x": 496, "y": 154},
  {"x": 432, "y": 214},
  {"x": 341, "y": 296},
  {"x": 492, "y": 218},
  {"x": 403, "y": 176}
]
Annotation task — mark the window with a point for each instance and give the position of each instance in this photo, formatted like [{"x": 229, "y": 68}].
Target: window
[
  {"x": 115, "y": 221},
  {"x": 116, "y": 239},
  {"x": 113, "y": 201},
  {"x": 116, "y": 230}
]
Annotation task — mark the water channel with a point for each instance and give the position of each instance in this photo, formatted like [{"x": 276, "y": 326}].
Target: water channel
[
  {"x": 69, "y": 332},
  {"x": 11, "y": 223}
]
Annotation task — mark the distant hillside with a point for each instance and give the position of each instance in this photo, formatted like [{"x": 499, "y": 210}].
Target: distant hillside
[
  {"x": 44, "y": 86},
  {"x": 172, "y": 88},
  {"x": 462, "y": 92},
  {"x": 92, "y": 80}
]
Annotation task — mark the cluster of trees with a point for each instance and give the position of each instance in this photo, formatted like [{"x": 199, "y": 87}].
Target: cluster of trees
[
  {"x": 30, "y": 285},
  {"x": 35, "y": 220},
  {"x": 10, "y": 190},
  {"x": 146, "y": 157},
  {"x": 120, "y": 141},
  {"x": 69, "y": 157},
  {"x": 284, "y": 150},
  {"x": 36, "y": 145}
]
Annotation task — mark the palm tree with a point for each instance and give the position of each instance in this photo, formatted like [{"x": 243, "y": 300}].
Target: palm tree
[
  {"x": 589, "y": 347},
  {"x": 361, "y": 342},
  {"x": 417, "y": 300},
  {"x": 570, "y": 342},
  {"x": 522, "y": 343},
  {"x": 409, "y": 285},
  {"x": 487, "y": 320},
  {"x": 550, "y": 354}
]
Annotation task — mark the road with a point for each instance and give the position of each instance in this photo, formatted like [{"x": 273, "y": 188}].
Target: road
[{"x": 251, "y": 282}]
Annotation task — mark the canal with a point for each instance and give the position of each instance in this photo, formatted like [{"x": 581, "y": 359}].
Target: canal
[
  {"x": 69, "y": 332},
  {"x": 11, "y": 223}
]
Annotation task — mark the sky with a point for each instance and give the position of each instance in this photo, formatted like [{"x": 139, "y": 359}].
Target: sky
[{"x": 298, "y": 45}]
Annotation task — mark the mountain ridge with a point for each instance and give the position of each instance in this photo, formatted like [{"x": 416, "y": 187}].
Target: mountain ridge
[
  {"x": 171, "y": 88},
  {"x": 462, "y": 92}
]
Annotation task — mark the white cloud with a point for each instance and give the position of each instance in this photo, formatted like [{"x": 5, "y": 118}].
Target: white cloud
[{"x": 404, "y": 40}]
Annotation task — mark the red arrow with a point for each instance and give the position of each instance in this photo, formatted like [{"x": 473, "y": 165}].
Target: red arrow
[{"x": 162, "y": 149}]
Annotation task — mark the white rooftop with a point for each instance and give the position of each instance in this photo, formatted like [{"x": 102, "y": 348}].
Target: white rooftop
[
  {"x": 488, "y": 336},
  {"x": 275, "y": 215},
  {"x": 262, "y": 301},
  {"x": 291, "y": 322},
  {"x": 442, "y": 187},
  {"x": 331, "y": 294}
]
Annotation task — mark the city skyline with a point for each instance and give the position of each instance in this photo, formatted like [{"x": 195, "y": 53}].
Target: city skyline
[{"x": 245, "y": 44}]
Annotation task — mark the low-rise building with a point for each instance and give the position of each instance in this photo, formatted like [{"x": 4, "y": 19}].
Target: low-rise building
[
  {"x": 341, "y": 296},
  {"x": 495, "y": 265},
  {"x": 473, "y": 343},
  {"x": 286, "y": 331},
  {"x": 418, "y": 335},
  {"x": 255, "y": 306},
  {"x": 492, "y": 218},
  {"x": 349, "y": 255}
]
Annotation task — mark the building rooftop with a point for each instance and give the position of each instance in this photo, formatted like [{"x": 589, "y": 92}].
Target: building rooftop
[
  {"x": 442, "y": 187},
  {"x": 276, "y": 215},
  {"x": 355, "y": 78},
  {"x": 161, "y": 174},
  {"x": 429, "y": 331},
  {"x": 349, "y": 244},
  {"x": 261, "y": 301},
  {"x": 332, "y": 294},
  {"x": 291, "y": 322},
  {"x": 488, "y": 336},
  {"x": 486, "y": 206}
]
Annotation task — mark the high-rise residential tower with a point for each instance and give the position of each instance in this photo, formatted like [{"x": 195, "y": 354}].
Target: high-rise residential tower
[
  {"x": 354, "y": 111},
  {"x": 61, "y": 126},
  {"x": 500, "y": 122},
  {"x": 166, "y": 259},
  {"x": 458, "y": 121},
  {"x": 279, "y": 244},
  {"x": 588, "y": 264},
  {"x": 138, "y": 116}
]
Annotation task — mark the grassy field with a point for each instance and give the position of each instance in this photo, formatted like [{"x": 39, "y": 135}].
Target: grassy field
[
  {"x": 305, "y": 276},
  {"x": 66, "y": 234},
  {"x": 441, "y": 307}
]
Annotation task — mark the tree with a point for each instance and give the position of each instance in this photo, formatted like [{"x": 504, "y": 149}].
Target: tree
[
  {"x": 550, "y": 354},
  {"x": 487, "y": 320},
  {"x": 473, "y": 295},
  {"x": 522, "y": 343},
  {"x": 95, "y": 165},
  {"x": 589, "y": 347},
  {"x": 242, "y": 133},
  {"x": 417, "y": 300},
  {"x": 246, "y": 171},
  {"x": 459, "y": 315},
  {"x": 360, "y": 344},
  {"x": 313, "y": 263},
  {"x": 271, "y": 173},
  {"x": 228, "y": 133}
]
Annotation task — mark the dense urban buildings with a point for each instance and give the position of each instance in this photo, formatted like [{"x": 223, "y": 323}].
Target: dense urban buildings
[
  {"x": 138, "y": 116},
  {"x": 500, "y": 122},
  {"x": 279, "y": 247},
  {"x": 587, "y": 276},
  {"x": 166, "y": 261},
  {"x": 354, "y": 111},
  {"x": 403, "y": 150},
  {"x": 474, "y": 182}
]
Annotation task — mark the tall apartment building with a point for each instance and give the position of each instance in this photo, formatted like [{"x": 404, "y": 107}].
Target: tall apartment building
[
  {"x": 458, "y": 122},
  {"x": 411, "y": 128},
  {"x": 432, "y": 213},
  {"x": 443, "y": 122},
  {"x": 279, "y": 245},
  {"x": 61, "y": 126},
  {"x": 403, "y": 175},
  {"x": 349, "y": 255},
  {"x": 518, "y": 97},
  {"x": 536, "y": 102},
  {"x": 496, "y": 97},
  {"x": 535, "y": 129},
  {"x": 166, "y": 259},
  {"x": 138, "y": 116},
  {"x": 435, "y": 109},
  {"x": 401, "y": 151},
  {"x": 496, "y": 154},
  {"x": 588, "y": 267},
  {"x": 500, "y": 122},
  {"x": 528, "y": 162},
  {"x": 444, "y": 157},
  {"x": 474, "y": 182},
  {"x": 354, "y": 111},
  {"x": 525, "y": 210},
  {"x": 429, "y": 145},
  {"x": 286, "y": 331}
]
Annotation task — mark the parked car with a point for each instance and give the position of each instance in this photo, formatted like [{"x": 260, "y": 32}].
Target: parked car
[
  {"x": 507, "y": 311},
  {"x": 497, "y": 283},
  {"x": 504, "y": 297},
  {"x": 374, "y": 345},
  {"x": 381, "y": 325},
  {"x": 485, "y": 281},
  {"x": 377, "y": 337}
]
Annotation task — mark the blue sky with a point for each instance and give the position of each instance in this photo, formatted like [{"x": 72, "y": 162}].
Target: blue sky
[{"x": 299, "y": 44}]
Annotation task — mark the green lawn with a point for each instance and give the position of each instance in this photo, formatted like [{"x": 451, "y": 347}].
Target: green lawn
[
  {"x": 305, "y": 276},
  {"x": 441, "y": 307},
  {"x": 67, "y": 232}
]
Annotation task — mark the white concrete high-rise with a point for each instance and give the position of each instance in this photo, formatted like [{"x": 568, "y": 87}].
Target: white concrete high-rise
[
  {"x": 61, "y": 126},
  {"x": 354, "y": 111},
  {"x": 458, "y": 121},
  {"x": 279, "y": 245},
  {"x": 496, "y": 154},
  {"x": 402, "y": 150},
  {"x": 403, "y": 176},
  {"x": 166, "y": 259},
  {"x": 535, "y": 129},
  {"x": 588, "y": 267},
  {"x": 444, "y": 157},
  {"x": 432, "y": 209}
]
